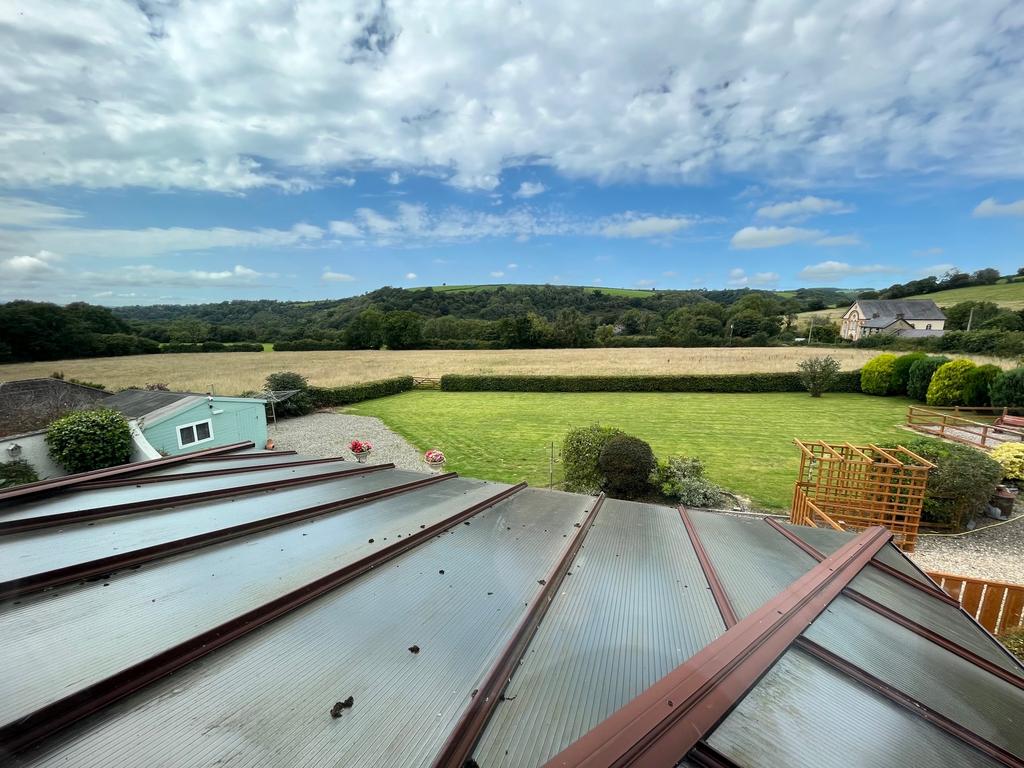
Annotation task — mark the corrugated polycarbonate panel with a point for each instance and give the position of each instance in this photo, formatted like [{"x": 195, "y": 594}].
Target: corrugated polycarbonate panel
[
  {"x": 937, "y": 615},
  {"x": 636, "y": 606},
  {"x": 802, "y": 714},
  {"x": 34, "y": 552},
  {"x": 239, "y": 460},
  {"x": 135, "y": 614},
  {"x": 940, "y": 680},
  {"x": 140, "y": 493},
  {"x": 827, "y": 541},
  {"x": 266, "y": 699},
  {"x": 754, "y": 562}
]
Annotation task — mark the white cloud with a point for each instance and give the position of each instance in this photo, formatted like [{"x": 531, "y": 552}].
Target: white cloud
[
  {"x": 529, "y": 189},
  {"x": 631, "y": 225},
  {"x": 347, "y": 181},
  {"x": 410, "y": 275},
  {"x": 645, "y": 283},
  {"x": 991, "y": 207},
  {"x": 670, "y": 273},
  {"x": 804, "y": 208},
  {"x": 330, "y": 276},
  {"x": 772, "y": 237},
  {"x": 497, "y": 274},
  {"x": 511, "y": 266},
  {"x": 394, "y": 178},
  {"x": 344, "y": 229},
  {"x": 25, "y": 268},
  {"x": 737, "y": 278},
  {"x": 827, "y": 271},
  {"x": 839, "y": 240},
  {"x": 596, "y": 281},
  {"x": 19, "y": 212},
  {"x": 227, "y": 97},
  {"x": 765, "y": 278}
]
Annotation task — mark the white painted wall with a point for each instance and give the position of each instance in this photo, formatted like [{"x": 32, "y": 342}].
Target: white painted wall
[{"x": 33, "y": 450}]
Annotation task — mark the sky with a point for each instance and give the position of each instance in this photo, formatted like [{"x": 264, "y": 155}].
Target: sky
[{"x": 171, "y": 151}]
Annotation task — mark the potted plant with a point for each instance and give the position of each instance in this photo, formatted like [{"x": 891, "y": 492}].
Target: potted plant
[
  {"x": 434, "y": 458},
  {"x": 360, "y": 449}
]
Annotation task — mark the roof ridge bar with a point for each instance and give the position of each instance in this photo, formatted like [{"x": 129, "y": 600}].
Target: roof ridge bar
[
  {"x": 20, "y": 525},
  {"x": 661, "y": 725},
  {"x": 458, "y": 747},
  {"x": 710, "y": 573},
  {"x": 918, "y": 629},
  {"x": 56, "y": 484},
  {"x": 912, "y": 705},
  {"x": 26, "y": 731},
  {"x": 80, "y": 571},
  {"x": 155, "y": 479},
  {"x": 248, "y": 456},
  {"x": 931, "y": 589}
]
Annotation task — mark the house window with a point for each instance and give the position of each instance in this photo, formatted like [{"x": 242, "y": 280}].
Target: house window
[
  {"x": 928, "y": 327},
  {"x": 197, "y": 432}
]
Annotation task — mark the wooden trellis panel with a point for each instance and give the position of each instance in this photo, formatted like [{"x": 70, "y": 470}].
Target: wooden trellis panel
[{"x": 850, "y": 487}]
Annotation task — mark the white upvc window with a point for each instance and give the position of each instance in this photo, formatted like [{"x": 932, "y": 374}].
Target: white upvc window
[{"x": 194, "y": 433}]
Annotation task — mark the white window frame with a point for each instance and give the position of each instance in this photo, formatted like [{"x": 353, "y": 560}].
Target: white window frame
[{"x": 180, "y": 427}]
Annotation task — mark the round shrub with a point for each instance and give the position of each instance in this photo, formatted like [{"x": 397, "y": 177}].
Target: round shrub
[
  {"x": 298, "y": 404},
  {"x": 85, "y": 440},
  {"x": 876, "y": 377},
  {"x": 1008, "y": 389},
  {"x": 580, "y": 452},
  {"x": 949, "y": 382},
  {"x": 1011, "y": 458},
  {"x": 682, "y": 479},
  {"x": 626, "y": 464},
  {"x": 961, "y": 484},
  {"x": 17, "y": 472},
  {"x": 901, "y": 371},
  {"x": 978, "y": 384},
  {"x": 921, "y": 374}
]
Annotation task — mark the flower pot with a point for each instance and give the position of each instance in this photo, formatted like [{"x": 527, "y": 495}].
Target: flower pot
[
  {"x": 361, "y": 456},
  {"x": 438, "y": 465}
]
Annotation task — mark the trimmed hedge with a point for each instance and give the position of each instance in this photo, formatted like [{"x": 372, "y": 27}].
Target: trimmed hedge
[
  {"x": 210, "y": 346},
  {"x": 329, "y": 397},
  {"x": 846, "y": 381},
  {"x": 308, "y": 345}
]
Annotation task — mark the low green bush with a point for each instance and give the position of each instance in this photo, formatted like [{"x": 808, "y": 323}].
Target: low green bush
[
  {"x": 1008, "y": 389},
  {"x": 901, "y": 371},
  {"x": 120, "y": 344},
  {"x": 331, "y": 397},
  {"x": 960, "y": 486},
  {"x": 979, "y": 383},
  {"x": 682, "y": 480},
  {"x": 921, "y": 373},
  {"x": 1011, "y": 458},
  {"x": 17, "y": 472},
  {"x": 83, "y": 441},
  {"x": 581, "y": 449},
  {"x": 308, "y": 345},
  {"x": 877, "y": 377},
  {"x": 298, "y": 404},
  {"x": 626, "y": 464},
  {"x": 818, "y": 374},
  {"x": 243, "y": 347},
  {"x": 949, "y": 382},
  {"x": 846, "y": 381}
]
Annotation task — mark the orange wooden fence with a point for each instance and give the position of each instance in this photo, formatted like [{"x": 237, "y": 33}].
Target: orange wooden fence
[{"x": 997, "y": 605}]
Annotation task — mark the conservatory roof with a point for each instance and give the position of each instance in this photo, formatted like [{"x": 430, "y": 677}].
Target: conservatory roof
[{"x": 267, "y": 609}]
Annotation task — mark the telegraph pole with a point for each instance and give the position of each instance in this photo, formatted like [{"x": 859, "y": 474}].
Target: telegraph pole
[{"x": 970, "y": 319}]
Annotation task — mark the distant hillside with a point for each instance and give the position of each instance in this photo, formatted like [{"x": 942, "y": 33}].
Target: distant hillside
[{"x": 634, "y": 292}]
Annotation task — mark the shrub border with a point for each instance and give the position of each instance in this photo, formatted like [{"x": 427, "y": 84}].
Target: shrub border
[
  {"x": 846, "y": 381},
  {"x": 329, "y": 397}
]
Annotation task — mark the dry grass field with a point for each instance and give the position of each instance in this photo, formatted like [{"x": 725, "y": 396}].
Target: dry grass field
[{"x": 235, "y": 372}]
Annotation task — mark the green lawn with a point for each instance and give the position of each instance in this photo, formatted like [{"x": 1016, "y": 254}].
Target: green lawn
[{"x": 745, "y": 440}]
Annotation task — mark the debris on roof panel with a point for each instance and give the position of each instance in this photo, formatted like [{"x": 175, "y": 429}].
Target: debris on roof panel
[{"x": 268, "y": 609}]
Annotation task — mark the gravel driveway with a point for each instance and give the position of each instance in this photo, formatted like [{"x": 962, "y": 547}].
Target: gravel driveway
[
  {"x": 325, "y": 435},
  {"x": 994, "y": 552}
]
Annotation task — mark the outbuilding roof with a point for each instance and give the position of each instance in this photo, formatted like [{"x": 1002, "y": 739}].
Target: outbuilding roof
[
  {"x": 137, "y": 403},
  {"x": 267, "y": 609},
  {"x": 911, "y": 309}
]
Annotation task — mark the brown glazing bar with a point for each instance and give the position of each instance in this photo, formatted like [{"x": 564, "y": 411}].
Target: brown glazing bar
[
  {"x": 104, "y": 565},
  {"x": 56, "y": 484},
  {"x": 460, "y": 742},
  {"x": 44, "y": 722},
  {"x": 706, "y": 756},
  {"x": 717, "y": 590},
  {"x": 21, "y": 525},
  {"x": 913, "y": 626},
  {"x": 661, "y": 725},
  {"x": 928, "y": 588},
  {"x": 247, "y": 456},
  {"x": 179, "y": 477},
  {"x": 911, "y": 704}
]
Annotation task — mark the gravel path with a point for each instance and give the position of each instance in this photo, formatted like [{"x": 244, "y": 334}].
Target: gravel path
[
  {"x": 994, "y": 552},
  {"x": 325, "y": 435}
]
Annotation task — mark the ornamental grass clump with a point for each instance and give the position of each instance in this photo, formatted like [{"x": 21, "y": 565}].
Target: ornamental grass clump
[{"x": 83, "y": 441}]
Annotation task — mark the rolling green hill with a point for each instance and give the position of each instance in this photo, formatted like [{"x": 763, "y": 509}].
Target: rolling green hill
[{"x": 633, "y": 292}]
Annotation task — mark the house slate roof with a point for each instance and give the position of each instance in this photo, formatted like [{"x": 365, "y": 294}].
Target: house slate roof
[
  {"x": 258, "y": 608},
  {"x": 137, "y": 403},
  {"x": 30, "y": 404},
  {"x": 911, "y": 309}
]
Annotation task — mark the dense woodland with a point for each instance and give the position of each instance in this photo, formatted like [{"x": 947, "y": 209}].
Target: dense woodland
[{"x": 497, "y": 317}]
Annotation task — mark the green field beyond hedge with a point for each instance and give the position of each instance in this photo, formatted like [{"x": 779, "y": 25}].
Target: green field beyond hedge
[{"x": 746, "y": 440}]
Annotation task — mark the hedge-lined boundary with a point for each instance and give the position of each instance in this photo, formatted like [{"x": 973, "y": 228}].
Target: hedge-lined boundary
[
  {"x": 847, "y": 381},
  {"x": 329, "y": 397},
  {"x": 309, "y": 345},
  {"x": 210, "y": 346}
]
